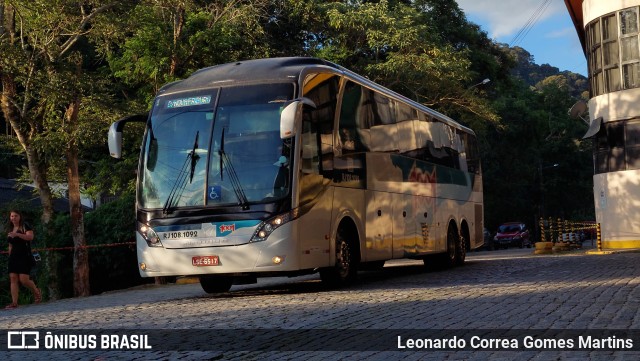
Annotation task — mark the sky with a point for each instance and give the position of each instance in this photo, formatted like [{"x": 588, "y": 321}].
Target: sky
[{"x": 541, "y": 27}]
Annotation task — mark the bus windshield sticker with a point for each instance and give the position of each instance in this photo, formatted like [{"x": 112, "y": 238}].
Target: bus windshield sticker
[
  {"x": 226, "y": 228},
  {"x": 187, "y": 102},
  {"x": 215, "y": 193}
]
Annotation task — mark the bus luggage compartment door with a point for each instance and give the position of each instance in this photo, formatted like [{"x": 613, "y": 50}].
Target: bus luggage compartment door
[{"x": 379, "y": 227}]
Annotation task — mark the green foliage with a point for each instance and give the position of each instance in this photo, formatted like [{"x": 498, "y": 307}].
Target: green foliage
[
  {"x": 113, "y": 267},
  {"x": 170, "y": 40},
  {"x": 10, "y": 158},
  {"x": 534, "y": 74},
  {"x": 60, "y": 261},
  {"x": 397, "y": 45},
  {"x": 294, "y": 27},
  {"x": 518, "y": 157},
  {"x": 110, "y": 267}
]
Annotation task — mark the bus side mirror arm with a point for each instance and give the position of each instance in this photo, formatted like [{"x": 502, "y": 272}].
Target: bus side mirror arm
[
  {"x": 115, "y": 133},
  {"x": 290, "y": 115}
]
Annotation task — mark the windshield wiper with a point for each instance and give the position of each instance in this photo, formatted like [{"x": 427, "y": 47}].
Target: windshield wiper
[
  {"x": 181, "y": 181},
  {"x": 194, "y": 158},
  {"x": 233, "y": 176}
]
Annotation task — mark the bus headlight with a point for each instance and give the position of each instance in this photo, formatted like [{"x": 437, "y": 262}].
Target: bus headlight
[
  {"x": 149, "y": 235},
  {"x": 267, "y": 227}
]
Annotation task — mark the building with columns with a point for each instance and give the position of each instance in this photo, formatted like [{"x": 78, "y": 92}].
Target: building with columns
[{"x": 609, "y": 32}]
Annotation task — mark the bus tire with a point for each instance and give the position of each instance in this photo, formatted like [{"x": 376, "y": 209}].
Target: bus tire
[
  {"x": 462, "y": 246},
  {"x": 216, "y": 284},
  {"x": 345, "y": 270},
  {"x": 453, "y": 247},
  {"x": 461, "y": 250}
]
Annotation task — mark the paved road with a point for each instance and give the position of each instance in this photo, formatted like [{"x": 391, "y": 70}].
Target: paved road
[{"x": 501, "y": 290}]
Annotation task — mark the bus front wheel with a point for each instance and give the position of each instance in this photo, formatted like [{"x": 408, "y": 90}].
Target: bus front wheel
[
  {"x": 345, "y": 269},
  {"x": 216, "y": 284}
]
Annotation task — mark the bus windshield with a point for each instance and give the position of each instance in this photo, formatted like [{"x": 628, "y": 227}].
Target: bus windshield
[{"x": 197, "y": 153}]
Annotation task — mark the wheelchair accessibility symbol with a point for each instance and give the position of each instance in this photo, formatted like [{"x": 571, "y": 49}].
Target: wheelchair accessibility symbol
[{"x": 215, "y": 193}]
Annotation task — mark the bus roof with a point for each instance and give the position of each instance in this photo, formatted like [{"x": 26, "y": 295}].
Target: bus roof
[
  {"x": 263, "y": 70},
  {"x": 257, "y": 70}
]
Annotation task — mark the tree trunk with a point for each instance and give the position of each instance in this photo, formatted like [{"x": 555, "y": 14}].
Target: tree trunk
[
  {"x": 37, "y": 170},
  {"x": 2, "y": 18},
  {"x": 38, "y": 173},
  {"x": 7, "y": 21},
  {"x": 178, "y": 24},
  {"x": 81, "y": 285}
]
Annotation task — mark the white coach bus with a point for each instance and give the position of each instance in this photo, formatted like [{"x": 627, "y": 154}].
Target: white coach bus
[{"x": 289, "y": 166}]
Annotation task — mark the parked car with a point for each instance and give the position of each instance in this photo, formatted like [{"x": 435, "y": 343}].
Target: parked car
[{"x": 512, "y": 234}]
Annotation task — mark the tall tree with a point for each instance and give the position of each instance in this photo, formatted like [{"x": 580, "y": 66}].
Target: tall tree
[
  {"x": 17, "y": 99},
  {"x": 395, "y": 44},
  {"x": 166, "y": 40},
  {"x": 46, "y": 58},
  {"x": 293, "y": 27}
]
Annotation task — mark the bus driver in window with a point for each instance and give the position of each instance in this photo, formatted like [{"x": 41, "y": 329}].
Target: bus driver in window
[{"x": 347, "y": 139}]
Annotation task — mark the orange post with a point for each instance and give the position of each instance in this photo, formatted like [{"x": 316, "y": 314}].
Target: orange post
[
  {"x": 572, "y": 233},
  {"x": 560, "y": 230}
]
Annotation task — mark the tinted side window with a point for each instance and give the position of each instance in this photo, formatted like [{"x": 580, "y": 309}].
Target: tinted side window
[
  {"x": 355, "y": 114},
  {"x": 317, "y": 132},
  {"x": 617, "y": 147}
]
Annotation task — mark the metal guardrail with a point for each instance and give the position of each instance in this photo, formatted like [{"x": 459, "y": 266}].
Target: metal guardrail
[
  {"x": 71, "y": 248},
  {"x": 560, "y": 230}
]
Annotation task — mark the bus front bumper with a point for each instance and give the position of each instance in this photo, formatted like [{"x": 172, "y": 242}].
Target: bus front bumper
[{"x": 276, "y": 254}]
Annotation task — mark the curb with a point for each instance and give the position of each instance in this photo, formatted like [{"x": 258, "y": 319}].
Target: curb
[
  {"x": 595, "y": 252},
  {"x": 613, "y": 251}
]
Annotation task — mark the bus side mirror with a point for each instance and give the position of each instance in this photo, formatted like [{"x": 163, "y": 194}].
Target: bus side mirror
[
  {"x": 114, "y": 138},
  {"x": 290, "y": 115}
]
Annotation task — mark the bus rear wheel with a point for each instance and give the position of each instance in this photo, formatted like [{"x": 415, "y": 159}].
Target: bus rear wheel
[
  {"x": 454, "y": 255},
  {"x": 345, "y": 270},
  {"x": 216, "y": 284},
  {"x": 453, "y": 247},
  {"x": 461, "y": 250}
]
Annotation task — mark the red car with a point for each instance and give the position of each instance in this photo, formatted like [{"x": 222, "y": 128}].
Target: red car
[{"x": 512, "y": 234}]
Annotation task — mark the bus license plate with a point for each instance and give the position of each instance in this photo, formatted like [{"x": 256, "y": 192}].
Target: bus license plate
[{"x": 199, "y": 261}]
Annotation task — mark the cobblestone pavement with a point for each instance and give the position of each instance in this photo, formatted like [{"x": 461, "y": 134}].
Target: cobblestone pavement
[{"x": 499, "y": 290}]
